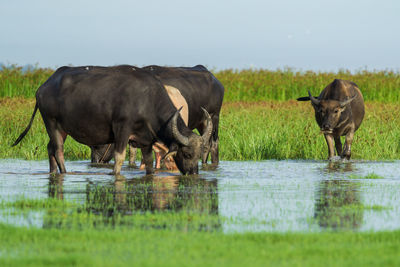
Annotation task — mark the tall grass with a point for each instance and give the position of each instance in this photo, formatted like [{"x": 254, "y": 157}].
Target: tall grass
[
  {"x": 248, "y": 131},
  {"x": 16, "y": 82},
  {"x": 287, "y": 130},
  {"x": 257, "y": 85},
  {"x": 243, "y": 85}
]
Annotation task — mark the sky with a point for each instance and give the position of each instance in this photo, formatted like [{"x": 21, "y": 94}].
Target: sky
[{"x": 305, "y": 35}]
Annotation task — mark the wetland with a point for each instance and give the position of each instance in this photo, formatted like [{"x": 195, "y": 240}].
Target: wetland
[
  {"x": 273, "y": 200},
  {"x": 237, "y": 197}
]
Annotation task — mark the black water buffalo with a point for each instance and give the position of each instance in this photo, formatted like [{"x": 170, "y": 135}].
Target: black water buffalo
[
  {"x": 339, "y": 111},
  {"x": 199, "y": 88},
  {"x": 102, "y": 105}
]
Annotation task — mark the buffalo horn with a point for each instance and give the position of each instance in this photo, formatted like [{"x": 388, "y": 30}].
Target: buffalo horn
[
  {"x": 208, "y": 131},
  {"x": 344, "y": 103},
  {"x": 183, "y": 140},
  {"x": 313, "y": 99}
]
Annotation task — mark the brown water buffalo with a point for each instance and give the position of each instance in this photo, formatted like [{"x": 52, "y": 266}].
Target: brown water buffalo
[
  {"x": 339, "y": 111},
  {"x": 103, "y": 105}
]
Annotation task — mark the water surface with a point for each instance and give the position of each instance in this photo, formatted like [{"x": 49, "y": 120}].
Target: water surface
[{"x": 247, "y": 196}]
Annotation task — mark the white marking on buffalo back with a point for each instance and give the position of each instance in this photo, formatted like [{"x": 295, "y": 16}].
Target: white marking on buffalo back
[{"x": 179, "y": 101}]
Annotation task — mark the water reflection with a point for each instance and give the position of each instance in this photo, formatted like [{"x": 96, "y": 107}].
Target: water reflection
[
  {"x": 56, "y": 182},
  {"x": 338, "y": 205},
  {"x": 273, "y": 196},
  {"x": 149, "y": 193}
]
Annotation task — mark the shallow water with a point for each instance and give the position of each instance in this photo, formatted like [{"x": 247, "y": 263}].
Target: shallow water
[{"x": 273, "y": 196}]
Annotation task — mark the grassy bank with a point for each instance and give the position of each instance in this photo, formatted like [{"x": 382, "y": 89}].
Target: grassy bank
[
  {"x": 75, "y": 234},
  {"x": 248, "y": 131},
  {"x": 244, "y": 85},
  {"x": 130, "y": 247}
]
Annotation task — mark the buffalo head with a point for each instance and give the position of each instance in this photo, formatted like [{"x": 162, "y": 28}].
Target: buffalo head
[
  {"x": 189, "y": 148},
  {"x": 328, "y": 112},
  {"x": 102, "y": 153}
]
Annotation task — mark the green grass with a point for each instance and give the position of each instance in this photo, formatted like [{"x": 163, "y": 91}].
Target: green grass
[
  {"x": 244, "y": 85},
  {"x": 131, "y": 247},
  {"x": 248, "y": 131},
  {"x": 14, "y": 82},
  {"x": 287, "y": 130},
  {"x": 261, "y": 85},
  {"x": 76, "y": 234}
]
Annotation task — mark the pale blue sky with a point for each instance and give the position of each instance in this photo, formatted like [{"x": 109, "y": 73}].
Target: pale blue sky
[{"x": 308, "y": 34}]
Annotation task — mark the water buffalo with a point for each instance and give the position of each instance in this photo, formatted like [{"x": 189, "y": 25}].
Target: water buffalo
[
  {"x": 199, "y": 88},
  {"x": 102, "y": 105},
  {"x": 339, "y": 111},
  {"x": 104, "y": 153}
]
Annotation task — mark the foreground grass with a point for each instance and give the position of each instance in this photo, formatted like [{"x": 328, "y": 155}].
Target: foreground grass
[
  {"x": 73, "y": 234},
  {"x": 248, "y": 131},
  {"x": 118, "y": 247}
]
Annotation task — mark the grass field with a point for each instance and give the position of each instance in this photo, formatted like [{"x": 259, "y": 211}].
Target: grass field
[
  {"x": 131, "y": 247},
  {"x": 248, "y": 131}
]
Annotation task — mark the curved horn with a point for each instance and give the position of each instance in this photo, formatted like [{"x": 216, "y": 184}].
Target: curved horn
[
  {"x": 313, "y": 99},
  {"x": 183, "y": 140},
  {"x": 344, "y": 103},
  {"x": 208, "y": 131}
]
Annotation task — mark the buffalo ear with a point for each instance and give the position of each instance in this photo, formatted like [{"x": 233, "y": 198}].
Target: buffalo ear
[
  {"x": 169, "y": 154},
  {"x": 303, "y": 98},
  {"x": 172, "y": 150}
]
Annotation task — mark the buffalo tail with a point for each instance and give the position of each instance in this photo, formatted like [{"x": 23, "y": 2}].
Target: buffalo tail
[{"x": 22, "y": 135}]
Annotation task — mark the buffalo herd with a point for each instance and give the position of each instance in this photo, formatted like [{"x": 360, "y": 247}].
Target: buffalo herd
[{"x": 158, "y": 108}]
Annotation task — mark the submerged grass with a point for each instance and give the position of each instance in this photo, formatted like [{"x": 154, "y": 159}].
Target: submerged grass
[
  {"x": 371, "y": 175},
  {"x": 248, "y": 131}
]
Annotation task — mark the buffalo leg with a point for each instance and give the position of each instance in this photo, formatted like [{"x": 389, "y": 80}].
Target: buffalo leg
[
  {"x": 52, "y": 157},
  {"x": 347, "y": 145},
  {"x": 119, "y": 157},
  {"x": 132, "y": 155},
  {"x": 214, "y": 152},
  {"x": 329, "y": 142},
  {"x": 147, "y": 158},
  {"x": 121, "y": 141},
  {"x": 157, "y": 155},
  {"x": 57, "y": 140},
  {"x": 215, "y": 141},
  {"x": 55, "y": 148},
  {"x": 206, "y": 145},
  {"x": 338, "y": 145}
]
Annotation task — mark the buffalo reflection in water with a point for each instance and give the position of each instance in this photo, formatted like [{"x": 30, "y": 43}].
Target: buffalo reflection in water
[
  {"x": 188, "y": 194},
  {"x": 337, "y": 202},
  {"x": 150, "y": 193}
]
